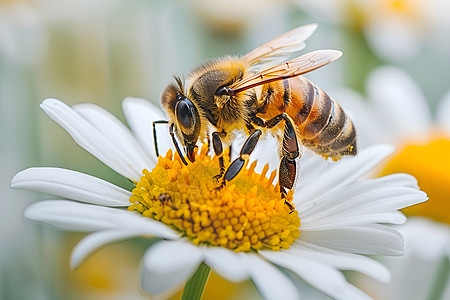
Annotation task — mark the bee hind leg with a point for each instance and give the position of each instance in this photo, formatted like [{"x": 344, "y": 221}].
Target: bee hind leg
[
  {"x": 239, "y": 162},
  {"x": 288, "y": 166},
  {"x": 290, "y": 152}
]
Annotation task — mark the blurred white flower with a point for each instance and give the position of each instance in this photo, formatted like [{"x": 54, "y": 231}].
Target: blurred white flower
[
  {"x": 394, "y": 109},
  {"x": 423, "y": 271},
  {"x": 342, "y": 216},
  {"x": 396, "y": 30},
  {"x": 397, "y": 112}
]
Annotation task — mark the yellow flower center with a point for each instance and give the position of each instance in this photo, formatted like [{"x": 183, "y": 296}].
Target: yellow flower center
[
  {"x": 430, "y": 164},
  {"x": 247, "y": 214}
]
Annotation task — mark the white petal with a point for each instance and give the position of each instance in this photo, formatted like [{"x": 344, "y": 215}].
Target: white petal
[
  {"x": 167, "y": 265},
  {"x": 402, "y": 107},
  {"x": 342, "y": 260},
  {"x": 71, "y": 184},
  {"x": 269, "y": 280},
  {"x": 226, "y": 263},
  {"x": 338, "y": 175},
  {"x": 369, "y": 239},
  {"x": 319, "y": 275},
  {"x": 369, "y": 202},
  {"x": 382, "y": 194},
  {"x": 443, "y": 112},
  {"x": 69, "y": 215},
  {"x": 140, "y": 115},
  {"x": 88, "y": 137},
  {"x": 387, "y": 200},
  {"x": 395, "y": 217},
  {"x": 396, "y": 180},
  {"x": 97, "y": 240},
  {"x": 117, "y": 133}
]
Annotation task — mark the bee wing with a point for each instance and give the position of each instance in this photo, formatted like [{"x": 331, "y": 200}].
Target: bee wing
[
  {"x": 297, "y": 66},
  {"x": 278, "y": 49}
]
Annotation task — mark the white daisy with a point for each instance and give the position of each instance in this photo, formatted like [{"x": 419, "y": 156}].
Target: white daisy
[
  {"x": 397, "y": 111},
  {"x": 338, "y": 218}
]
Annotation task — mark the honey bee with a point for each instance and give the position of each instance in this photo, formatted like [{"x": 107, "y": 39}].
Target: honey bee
[{"x": 260, "y": 92}]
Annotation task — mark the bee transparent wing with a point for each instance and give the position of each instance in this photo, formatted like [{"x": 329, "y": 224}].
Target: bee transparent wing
[
  {"x": 295, "y": 67},
  {"x": 279, "y": 49}
]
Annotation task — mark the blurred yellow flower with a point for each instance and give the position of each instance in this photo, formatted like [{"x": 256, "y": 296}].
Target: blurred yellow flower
[{"x": 430, "y": 164}]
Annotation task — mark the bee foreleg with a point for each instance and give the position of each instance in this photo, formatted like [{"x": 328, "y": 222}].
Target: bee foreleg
[
  {"x": 238, "y": 163},
  {"x": 174, "y": 140}
]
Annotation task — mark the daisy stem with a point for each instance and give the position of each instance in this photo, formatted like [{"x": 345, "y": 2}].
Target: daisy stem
[
  {"x": 193, "y": 290},
  {"x": 440, "y": 280}
]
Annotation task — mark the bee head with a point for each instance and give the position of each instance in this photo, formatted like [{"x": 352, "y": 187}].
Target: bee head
[{"x": 184, "y": 114}]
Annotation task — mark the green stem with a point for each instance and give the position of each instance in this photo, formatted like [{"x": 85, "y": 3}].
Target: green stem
[
  {"x": 193, "y": 290},
  {"x": 440, "y": 280}
]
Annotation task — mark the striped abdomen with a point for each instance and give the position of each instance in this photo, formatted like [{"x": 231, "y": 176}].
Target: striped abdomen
[{"x": 322, "y": 124}]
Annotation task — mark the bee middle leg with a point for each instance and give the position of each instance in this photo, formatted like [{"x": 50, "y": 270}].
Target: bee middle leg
[
  {"x": 239, "y": 162},
  {"x": 218, "y": 150}
]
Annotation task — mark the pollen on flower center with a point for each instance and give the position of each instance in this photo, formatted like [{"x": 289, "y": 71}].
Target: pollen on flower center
[{"x": 246, "y": 214}]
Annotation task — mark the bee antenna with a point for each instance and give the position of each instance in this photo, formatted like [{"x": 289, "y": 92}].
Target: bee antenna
[{"x": 180, "y": 82}]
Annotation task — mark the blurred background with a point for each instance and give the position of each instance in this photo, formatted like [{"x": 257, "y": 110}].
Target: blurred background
[{"x": 396, "y": 52}]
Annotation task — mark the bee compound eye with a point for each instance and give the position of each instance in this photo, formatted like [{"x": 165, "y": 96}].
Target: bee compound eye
[{"x": 184, "y": 114}]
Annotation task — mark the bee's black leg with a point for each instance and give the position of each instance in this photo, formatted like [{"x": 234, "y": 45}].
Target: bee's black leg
[
  {"x": 176, "y": 144},
  {"x": 218, "y": 150},
  {"x": 238, "y": 163},
  {"x": 155, "y": 140},
  {"x": 290, "y": 151}
]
